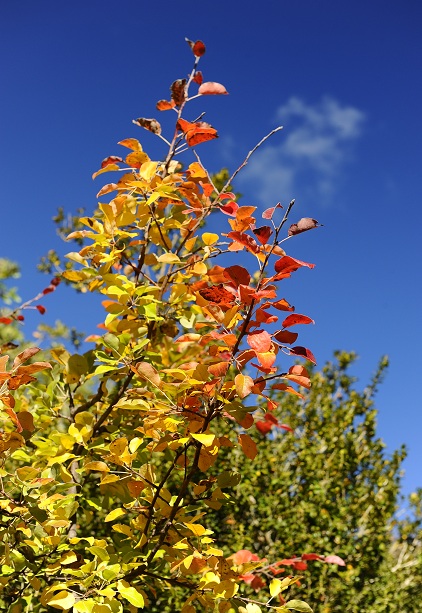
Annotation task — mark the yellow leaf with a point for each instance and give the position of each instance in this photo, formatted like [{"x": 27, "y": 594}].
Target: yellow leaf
[
  {"x": 114, "y": 514},
  {"x": 244, "y": 385},
  {"x": 205, "y": 439},
  {"x": 84, "y": 606},
  {"x": 168, "y": 258},
  {"x": 197, "y": 529},
  {"x": 147, "y": 170},
  {"x": 62, "y": 600},
  {"x": 99, "y": 466},
  {"x": 275, "y": 587},
  {"x": 131, "y": 594},
  {"x": 209, "y": 238}
]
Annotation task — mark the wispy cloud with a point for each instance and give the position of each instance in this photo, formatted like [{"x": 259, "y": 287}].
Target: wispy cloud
[{"x": 316, "y": 144}]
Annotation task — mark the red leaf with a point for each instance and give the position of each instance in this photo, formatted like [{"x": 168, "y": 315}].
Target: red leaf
[
  {"x": 198, "y": 47},
  {"x": 230, "y": 208},
  {"x": 286, "y": 264},
  {"x": 217, "y": 294},
  {"x": 311, "y": 556},
  {"x": 111, "y": 159},
  {"x": 263, "y": 234},
  {"x": 286, "y": 427},
  {"x": 198, "y": 78},
  {"x": 334, "y": 560},
  {"x": 20, "y": 317},
  {"x": 245, "y": 240},
  {"x": 284, "y": 336},
  {"x": 268, "y": 213},
  {"x": 259, "y": 340},
  {"x": 165, "y": 105},
  {"x": 55, "y": 281},
  {"x": 300, "y": 565},
  {"x": 237, "y": 274},
  {"x": 244, "y": 357},
  {"x": 264, "y": 427},
  {"x": 303, "y": 353},
  {"x": 293, "y": 320},
  {"x": 211, "y": 88},
  {"x": 5, "y": 320},
  {"x": 40, "y": 309}
]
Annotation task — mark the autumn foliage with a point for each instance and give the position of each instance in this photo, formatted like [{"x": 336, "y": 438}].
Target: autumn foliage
[{"x": 105, "y": 454}]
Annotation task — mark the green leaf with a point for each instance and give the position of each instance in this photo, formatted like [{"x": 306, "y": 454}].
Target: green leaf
[{"x": 298, "y": 605}]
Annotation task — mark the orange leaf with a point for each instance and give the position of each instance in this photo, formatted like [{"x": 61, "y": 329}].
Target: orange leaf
[
  {"x": 148, "y": 372},
  {"x": 14, "y": 418},
  {"x": 244, "y": 385},
  {"x": 266, "y": 358},
  {"x": 217, "y": 294},
  {"x": 212, "y": 88},
  {"x": 243, "y": 556},
  {"x": 25, "y": 355},
  {"x": 286, "y": 388},
  {"x": 165, "y": 105},
  {"x": 248, "y": 445},
  {"x": 303, "y": 381},
  {"x": 110, "y": 187},
  {"x": 219, "y": 369},
  {"x": 283, "y": 305},
  {"x": 293, "y": 320},
  {"x": 131, "y": 143},
  {"x": 259, "y": 340},
  {"x": 196, "y": 133}
]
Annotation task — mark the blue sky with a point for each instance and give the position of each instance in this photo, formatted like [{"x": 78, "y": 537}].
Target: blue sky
[{"x": 344, "y": 81}]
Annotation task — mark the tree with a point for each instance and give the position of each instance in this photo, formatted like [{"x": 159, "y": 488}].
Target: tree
[
  {"x": 327, "y": 485},
  {"x": 106, "y": 454}
]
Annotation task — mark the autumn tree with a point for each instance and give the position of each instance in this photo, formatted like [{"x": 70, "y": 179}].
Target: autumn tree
[
  {"x": 323, "y": 483},
  {"x": 106, "y": 488}
]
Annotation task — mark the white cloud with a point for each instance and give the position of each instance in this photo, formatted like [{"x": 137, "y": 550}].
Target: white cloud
[{"x": 316, "y": 143}]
